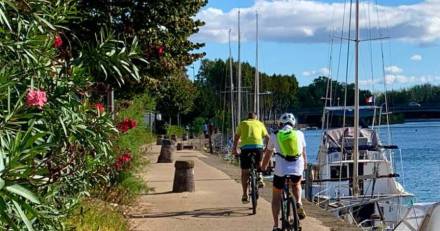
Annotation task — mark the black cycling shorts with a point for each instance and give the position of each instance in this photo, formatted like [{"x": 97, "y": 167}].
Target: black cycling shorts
[
  {"x": 245, "y": 157},
  {"x": 278, "y": 181}
]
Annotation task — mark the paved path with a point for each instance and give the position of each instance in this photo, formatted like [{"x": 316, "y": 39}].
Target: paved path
[{"x": 215, "y": 205}]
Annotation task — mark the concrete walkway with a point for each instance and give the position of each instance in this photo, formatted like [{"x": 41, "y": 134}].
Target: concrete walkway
[{"x": 215, "y": 205}]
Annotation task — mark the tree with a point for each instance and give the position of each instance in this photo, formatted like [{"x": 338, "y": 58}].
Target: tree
[
  {"x": 162, "y": 29},
  {"x": 176, "y": 96}
]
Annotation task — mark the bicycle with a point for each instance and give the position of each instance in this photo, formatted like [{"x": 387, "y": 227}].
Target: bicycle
[
  {"x": 289, "y": 209},
  {"x": 253, "y": 187}
]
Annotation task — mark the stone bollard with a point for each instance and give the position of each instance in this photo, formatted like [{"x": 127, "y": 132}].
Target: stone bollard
[
  {"x": 159, "y": 140},
  {"x": 189, "y": 146},
  {"x": 166, "y": 152},
  {"x": 179, "y": 146},
  {"x": 184, "y": 176}
]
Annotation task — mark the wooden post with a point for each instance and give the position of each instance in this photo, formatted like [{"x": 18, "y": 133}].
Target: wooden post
[
  {"x": 309, "y": 182},
  {"x": 166, "y": 152},
  {"x": 184, "y": 176}
]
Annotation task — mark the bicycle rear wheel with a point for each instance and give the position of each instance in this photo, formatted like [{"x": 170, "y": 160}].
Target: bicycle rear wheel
[
  {"x": 295, "y": 221},
  {"x": 253, "y": 192}
]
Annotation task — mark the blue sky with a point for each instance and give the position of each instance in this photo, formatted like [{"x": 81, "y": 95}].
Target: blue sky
[{"x": 295, "y": 38}]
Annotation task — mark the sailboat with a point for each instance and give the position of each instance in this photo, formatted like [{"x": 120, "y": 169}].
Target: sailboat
[{"x": 355, "y": 177}]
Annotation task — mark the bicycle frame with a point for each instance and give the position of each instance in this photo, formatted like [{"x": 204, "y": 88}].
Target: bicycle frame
[
  {"x": 289, "y": 219},
  {"x": 252, "y": 187}
]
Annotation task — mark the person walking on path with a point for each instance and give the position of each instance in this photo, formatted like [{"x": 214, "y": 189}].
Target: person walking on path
[
  {"x": 289, "y": 147},
  {"x": 250, "y": 135}
]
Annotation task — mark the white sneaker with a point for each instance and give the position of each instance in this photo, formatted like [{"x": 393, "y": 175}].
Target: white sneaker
[{"x": 261, "y": 183}]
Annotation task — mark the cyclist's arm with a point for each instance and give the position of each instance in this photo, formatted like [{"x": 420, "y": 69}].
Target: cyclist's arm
[
  {"x": 266, "y": 141},
  {"x": 266, "y": 159},
  {"x": 305, "y": 157},
  {"x": 268, "y": 152}
]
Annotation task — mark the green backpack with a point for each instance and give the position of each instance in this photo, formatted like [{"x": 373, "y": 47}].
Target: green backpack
[{"x": 289, "y": 143}]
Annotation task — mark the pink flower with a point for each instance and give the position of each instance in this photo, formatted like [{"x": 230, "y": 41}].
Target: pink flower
[
  {"x": 36, "y": 98},
  {"x": 160, "y": 51},
  {"x": 100, "y": 107},
  {"x": 58, "y": 41}
]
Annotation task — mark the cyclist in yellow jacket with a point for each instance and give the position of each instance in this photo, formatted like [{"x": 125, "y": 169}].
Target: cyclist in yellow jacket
[{"x": 250, "y": 134}]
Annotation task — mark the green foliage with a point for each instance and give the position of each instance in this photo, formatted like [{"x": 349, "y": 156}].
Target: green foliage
[
  {"x": 109, "y": 59},
  {"x": 165, "y": 25},
  {"x": 95, "y": 215},
  {"x": 176, "y": 96},
  {"x": 213, "y": 78},
  {"x": 175, "y": 130},
  {"x": 425, "y": 94},
  {"x": 127, "y": 183},
  {"x": 53, "y": 155},
  {"x": 197, "y": 125}
]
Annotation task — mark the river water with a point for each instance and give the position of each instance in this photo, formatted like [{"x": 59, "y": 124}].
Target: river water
[{"x": 420, "y": 146}]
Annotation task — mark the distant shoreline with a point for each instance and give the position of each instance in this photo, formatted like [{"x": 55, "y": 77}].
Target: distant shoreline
[{"x": 423, "y": 120}]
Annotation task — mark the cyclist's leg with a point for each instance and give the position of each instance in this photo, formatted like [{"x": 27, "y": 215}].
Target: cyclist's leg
[
  {"x": 258, "y": 154},
  {"x": 296, "y": 188},
  {"x": 245, "y": 164},
  {"x": 278, "y": 184},
  {"x": 258, "y": 159}
]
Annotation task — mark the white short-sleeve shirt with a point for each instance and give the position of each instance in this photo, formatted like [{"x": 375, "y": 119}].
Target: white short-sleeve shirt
[{"x": 282, "y": 166}]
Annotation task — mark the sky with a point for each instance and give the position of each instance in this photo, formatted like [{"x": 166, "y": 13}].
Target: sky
[{"x": 308, "y": 38}]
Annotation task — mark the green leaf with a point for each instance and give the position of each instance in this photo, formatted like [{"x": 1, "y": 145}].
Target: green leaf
[
  {"x": 45, "y": 22},
  {"x": 23, "y": 216},
  {"x": 62, "y": 124},
  {"x": 2, "y": 183},
  {"x": 4, "y": 19},
  {"x": 22, "y": 191}
]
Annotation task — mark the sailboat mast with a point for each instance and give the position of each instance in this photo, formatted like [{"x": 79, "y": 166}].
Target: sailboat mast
[
  {"x": 356, "y": 111},
  {"x": 257, "y": 74},
  {"x": 239, "y": 75},
  {"x": 232, "y": 87}
]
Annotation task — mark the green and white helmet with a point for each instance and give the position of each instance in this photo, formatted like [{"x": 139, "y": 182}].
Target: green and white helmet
[{"x": 288, "y": 118}]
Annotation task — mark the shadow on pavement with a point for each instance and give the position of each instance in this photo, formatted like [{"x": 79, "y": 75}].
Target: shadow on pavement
[{"x": 201, "y": 213}]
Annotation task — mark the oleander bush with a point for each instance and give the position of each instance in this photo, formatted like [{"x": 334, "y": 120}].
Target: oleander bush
[{"x": 57, "y": 145}]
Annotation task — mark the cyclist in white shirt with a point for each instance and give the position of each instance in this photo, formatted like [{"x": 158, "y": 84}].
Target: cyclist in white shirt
[{"x": 289, "y": 147}]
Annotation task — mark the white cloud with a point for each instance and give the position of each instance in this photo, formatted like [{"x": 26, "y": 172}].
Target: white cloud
[
  {"x": 324, "y": 71},
  {"x": 416, "y": 57},
  {"x": 403, "y": 79},
  {"x": 307, "y": 73},
  {"x": 314, "y": 21},
  {"x": 393, "y": 70}
]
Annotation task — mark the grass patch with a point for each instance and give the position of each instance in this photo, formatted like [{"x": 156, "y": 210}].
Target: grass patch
[{"x": 96, "y": 215}]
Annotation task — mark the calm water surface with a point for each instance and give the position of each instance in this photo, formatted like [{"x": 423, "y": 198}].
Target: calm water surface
[{"x": 420, "y": 145}]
